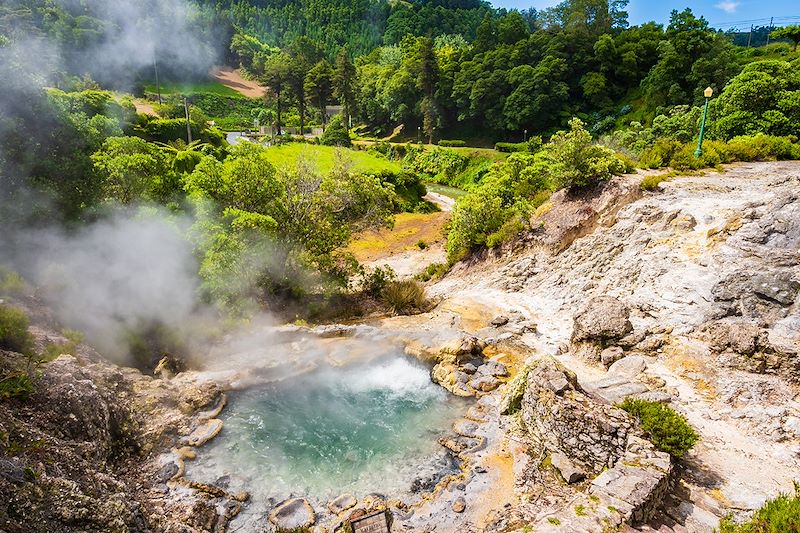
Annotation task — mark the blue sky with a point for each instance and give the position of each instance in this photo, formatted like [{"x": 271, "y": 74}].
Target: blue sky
[{"x": 721, "y": 13}]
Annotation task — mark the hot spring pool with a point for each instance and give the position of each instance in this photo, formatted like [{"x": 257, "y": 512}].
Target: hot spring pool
[{"x": 362, "y": 428}]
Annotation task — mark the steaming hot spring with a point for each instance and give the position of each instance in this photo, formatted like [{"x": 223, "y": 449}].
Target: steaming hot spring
[{"x": 357, "y": 424}]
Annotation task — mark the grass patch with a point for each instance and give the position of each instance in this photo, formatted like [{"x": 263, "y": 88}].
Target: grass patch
[
  {"x": 189, "y": 88},
  {"x": 432, "y": 271},
  {"x": 409, "y": 229},
  {"x": 780, "y": 515},
  {"x": 553, "y": 520},
  {"x": 326, "y": 158},
  {"x": 580, "y": 510},
  {"x": 404, "y": 297},
  {"x": 668, "y": 430},
  {"x": 14, "y": 335}
]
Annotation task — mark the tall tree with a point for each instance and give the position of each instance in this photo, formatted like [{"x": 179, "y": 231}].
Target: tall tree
[
  {"x": 276, "y": 75},
  {"x": 318, "y": 85},
  {"x": 344, "y": 83},
  {"x": 428, "y": 75},
  {"x": 303, "y": 53}
]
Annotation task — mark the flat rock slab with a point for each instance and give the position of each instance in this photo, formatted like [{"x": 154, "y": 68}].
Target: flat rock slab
[
  {"x": 614, "y": 389},
  {"x": 292, "y": 514},
  {"x": 205, "y": 432},
  {"x": 342, "y": 503}
]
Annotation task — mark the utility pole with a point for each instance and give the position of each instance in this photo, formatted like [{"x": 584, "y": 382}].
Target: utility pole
[
  {"x": 188, "y": 124},
  {"x": 750, "y": 36},
  {"x": 158, "y": 85},
  {"x": 770, "y": 29}
]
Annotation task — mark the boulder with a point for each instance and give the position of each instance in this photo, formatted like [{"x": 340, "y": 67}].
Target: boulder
[
  {"x": 567, "y": 469},
  {"x": 604, "y": 318},
  {"x": 493, "y": 368},
  {"x": 611, "y": 355},
  {"x": 484, "y": 383},
  {"x": 499, "y": 321},
  {"x": 294, "y": 513},
  {"x": 630, "y": 366}
]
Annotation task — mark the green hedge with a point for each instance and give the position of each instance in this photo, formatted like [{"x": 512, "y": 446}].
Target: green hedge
[
  {"x": 455, "y": 143},
  {"x": 760, "y": 147},
  {"x": 511, "y": 147}
]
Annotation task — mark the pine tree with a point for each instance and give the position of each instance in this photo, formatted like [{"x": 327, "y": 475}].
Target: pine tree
[{"x": 344, "y": 81}]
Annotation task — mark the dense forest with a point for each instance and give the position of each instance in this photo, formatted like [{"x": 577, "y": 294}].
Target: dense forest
[{"x": 575, "y": 92}]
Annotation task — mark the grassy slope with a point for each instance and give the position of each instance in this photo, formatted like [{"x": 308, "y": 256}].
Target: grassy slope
[
  {"x": 325, "y": 158},
  {"x": 212, "y": 87}
]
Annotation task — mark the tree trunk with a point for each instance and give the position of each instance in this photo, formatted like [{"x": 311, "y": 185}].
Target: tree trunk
[{"x": 278, "y": 111}]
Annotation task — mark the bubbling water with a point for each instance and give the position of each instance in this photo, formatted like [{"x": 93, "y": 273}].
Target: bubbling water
[{"x": 361, "y": 428}]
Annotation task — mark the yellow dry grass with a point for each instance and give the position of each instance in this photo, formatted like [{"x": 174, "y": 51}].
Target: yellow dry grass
[{"x": 409, "y": 229}]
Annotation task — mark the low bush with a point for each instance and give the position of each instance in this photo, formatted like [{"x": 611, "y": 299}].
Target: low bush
[
  {"x": 432, "y": 271},
  {"x": 779, "y": 515},
  {"x": 573, "y": 160},
  {"x": 14, "y": 335},
  {"x": 336, "y": 133},
  {"x": 667, "y": 430},
  {"x": 404, "y": 297},
  {"x": 455, "y": 143},
  {"x": 374, "y": 281}
]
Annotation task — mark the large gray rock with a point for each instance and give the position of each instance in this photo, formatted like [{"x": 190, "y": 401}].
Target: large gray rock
[
  {"x": 484, "y": 383},
  {"x": 567, "y": 469},
  {"x": 493, "y": 368},
  {"x": 604, "y": 318},
  {"x": 630, "y": 366},
  {"x": 293, "y": 513},
  {"x": 611, "y": 355}
]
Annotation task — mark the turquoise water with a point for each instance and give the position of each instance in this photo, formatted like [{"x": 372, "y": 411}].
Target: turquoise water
[{"x": 362, "y": 428}]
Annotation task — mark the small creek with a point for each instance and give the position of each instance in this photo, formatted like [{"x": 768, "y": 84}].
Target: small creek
[{"x": 370, "y": 426}]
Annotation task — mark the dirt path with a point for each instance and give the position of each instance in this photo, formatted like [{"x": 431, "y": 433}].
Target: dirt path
[
  {"x": 142, "y": 106},
  {"x": 233, "y": 78}
]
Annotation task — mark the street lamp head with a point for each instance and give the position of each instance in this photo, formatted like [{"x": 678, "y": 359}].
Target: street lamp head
[{"x": 708, "y": 92}]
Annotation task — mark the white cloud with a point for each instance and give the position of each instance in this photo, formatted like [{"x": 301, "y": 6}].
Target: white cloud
[{"x": 728, "y": 6}]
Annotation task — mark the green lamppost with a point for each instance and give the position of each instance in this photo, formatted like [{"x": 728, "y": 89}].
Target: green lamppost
[{"x": 707, "y": 93}]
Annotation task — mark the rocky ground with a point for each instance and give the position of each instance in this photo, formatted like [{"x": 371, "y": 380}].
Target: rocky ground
[
  {"x": 686, "y": 295},
  {"x": 100, "y": 448}
]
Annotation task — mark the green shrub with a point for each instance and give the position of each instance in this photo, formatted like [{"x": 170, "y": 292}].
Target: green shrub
[
  {"x": 432, "y": 271},
  {"x": 668, "y": 430},
  {"x": 422, "y": 245},
  {"x": 572, "y": 160},
  {"x": 511, "y": 147},
  {"x": 439, "y": 165},
  {"x": 373, "y": 282},
  {"x": 660, "y": 154},
  {"x": 779, "y": 515},
  {"x": 762, "y": 147},
  {"x": 455, "y": 143},
  {"x": 404, "y": 297},
  {"x": 14, "y": 335},
  {"x": 336, "y": 133}
]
